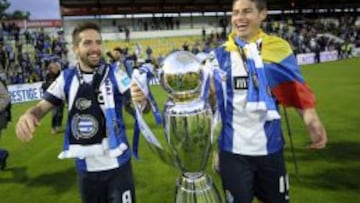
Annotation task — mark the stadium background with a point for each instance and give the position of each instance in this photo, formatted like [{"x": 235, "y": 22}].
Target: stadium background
[{"x": 34, "y": 174}]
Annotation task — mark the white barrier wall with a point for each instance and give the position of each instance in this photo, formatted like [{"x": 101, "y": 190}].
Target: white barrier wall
[
  {"x": 25, "y": 92},
  {"x": 328, "y": 56},
  {"x": 308, "y": 58},
  {"x": 356, "y": 52}
]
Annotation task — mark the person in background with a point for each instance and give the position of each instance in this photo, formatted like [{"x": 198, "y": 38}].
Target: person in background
[
  {"x": 5, "y": 117},
  {"x": 95, "y": 133},
  {"x": 3, "y": 58},
  {"x": 149, "y": 52},
  {"x": 53, "y": 71},
  {"x": 127, "y": 34}
]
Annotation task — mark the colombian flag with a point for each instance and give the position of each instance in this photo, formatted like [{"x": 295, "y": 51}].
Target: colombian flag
[{"x": 281, "y": 70}]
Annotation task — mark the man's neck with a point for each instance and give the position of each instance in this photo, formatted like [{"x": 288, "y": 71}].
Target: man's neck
[{"x": 85, "y": 68}]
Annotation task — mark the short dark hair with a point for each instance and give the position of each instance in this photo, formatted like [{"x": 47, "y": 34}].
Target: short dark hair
[
  {"x": 260, "y": 4},
  {"x": 81, "y": 27},
  {"x": 120, "y": 50}
]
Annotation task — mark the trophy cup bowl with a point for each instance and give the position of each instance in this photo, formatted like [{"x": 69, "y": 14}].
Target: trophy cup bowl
[
  {"x": 188, "y": 126},
  {"x": 181, "y": 76}
]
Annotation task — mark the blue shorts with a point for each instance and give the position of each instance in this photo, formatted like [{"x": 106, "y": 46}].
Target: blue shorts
[
  {"x": 245, "y": 177},
  {"x": 112, "y": 186}
]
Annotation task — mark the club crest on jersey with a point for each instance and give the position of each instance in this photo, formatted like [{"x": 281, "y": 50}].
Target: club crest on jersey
[
  {"x": 240, "y": 83},
  {"x": 84, "y": 126},
  {"x": 82, "y": 104}
]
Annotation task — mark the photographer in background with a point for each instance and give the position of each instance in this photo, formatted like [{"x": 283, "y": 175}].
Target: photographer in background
[
  {"x": 52, "y": 72},
  {"x": 5, "y": 117}
]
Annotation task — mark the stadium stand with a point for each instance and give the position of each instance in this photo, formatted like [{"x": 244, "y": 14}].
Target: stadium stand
[{"x": 24, "y": 53}]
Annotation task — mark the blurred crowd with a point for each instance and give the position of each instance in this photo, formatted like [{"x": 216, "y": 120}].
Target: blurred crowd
[
  {"x": 25, "y": 55},
  {"x": 320, "y": 34}
]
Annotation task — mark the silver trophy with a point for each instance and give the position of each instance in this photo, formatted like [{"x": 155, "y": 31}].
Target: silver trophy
[{"x": 188, "y": 123}]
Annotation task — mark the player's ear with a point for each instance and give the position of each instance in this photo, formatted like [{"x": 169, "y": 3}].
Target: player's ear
[
  {"x": 263, "y": 14},
  {"x": 75, "y": 49}
]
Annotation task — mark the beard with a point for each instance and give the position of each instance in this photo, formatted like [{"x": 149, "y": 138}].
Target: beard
[{"x": 88, "y": 62}]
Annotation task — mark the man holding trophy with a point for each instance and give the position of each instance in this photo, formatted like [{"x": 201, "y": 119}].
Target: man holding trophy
[
  {"x": 261, "y": 72},
  {"x": 249, "y": 76}
]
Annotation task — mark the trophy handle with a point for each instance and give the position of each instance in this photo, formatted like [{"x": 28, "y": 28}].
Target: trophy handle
[{"x": 162, "y": 150}]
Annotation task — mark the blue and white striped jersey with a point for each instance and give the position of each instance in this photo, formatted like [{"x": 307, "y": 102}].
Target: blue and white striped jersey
[
  {"x": 59, "y": 90},
  {"x": 250, "y": 132},
  {"x": 244, "y": 132}
]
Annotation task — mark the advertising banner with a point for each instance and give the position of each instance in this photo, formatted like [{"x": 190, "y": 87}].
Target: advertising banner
[
  {"x": 308, "y": 58},
  {"x": 25, "y": 92},
  {"x": 328, "y": 56}
]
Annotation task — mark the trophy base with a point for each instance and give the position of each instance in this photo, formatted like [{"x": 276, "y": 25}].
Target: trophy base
[{"x": 196, "y": 188}]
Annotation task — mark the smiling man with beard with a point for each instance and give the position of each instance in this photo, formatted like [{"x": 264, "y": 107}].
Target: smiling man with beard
[{"x": 95, "y": 132}]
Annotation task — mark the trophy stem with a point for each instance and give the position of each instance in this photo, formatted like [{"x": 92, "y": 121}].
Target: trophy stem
[{"x": 196, "y": 188}]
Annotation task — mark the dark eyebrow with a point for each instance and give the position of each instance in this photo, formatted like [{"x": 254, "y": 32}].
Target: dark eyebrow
[
  {"x": 90, "y": 40},
  {"x": 87, "y": 40},
  {"x": 242, "y": 10}
]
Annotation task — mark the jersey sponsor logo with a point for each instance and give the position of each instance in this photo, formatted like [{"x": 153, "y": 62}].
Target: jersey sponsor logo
[
  {"x": 82, "y": 104},
  {"x": 84, "y": 126},
  {"x": 240, "y": 83}
]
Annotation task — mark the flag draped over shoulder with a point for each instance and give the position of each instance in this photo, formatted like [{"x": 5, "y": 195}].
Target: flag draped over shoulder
[
  {"x": 281, "y": 70},
  {"x": 283, "y": 74}
]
